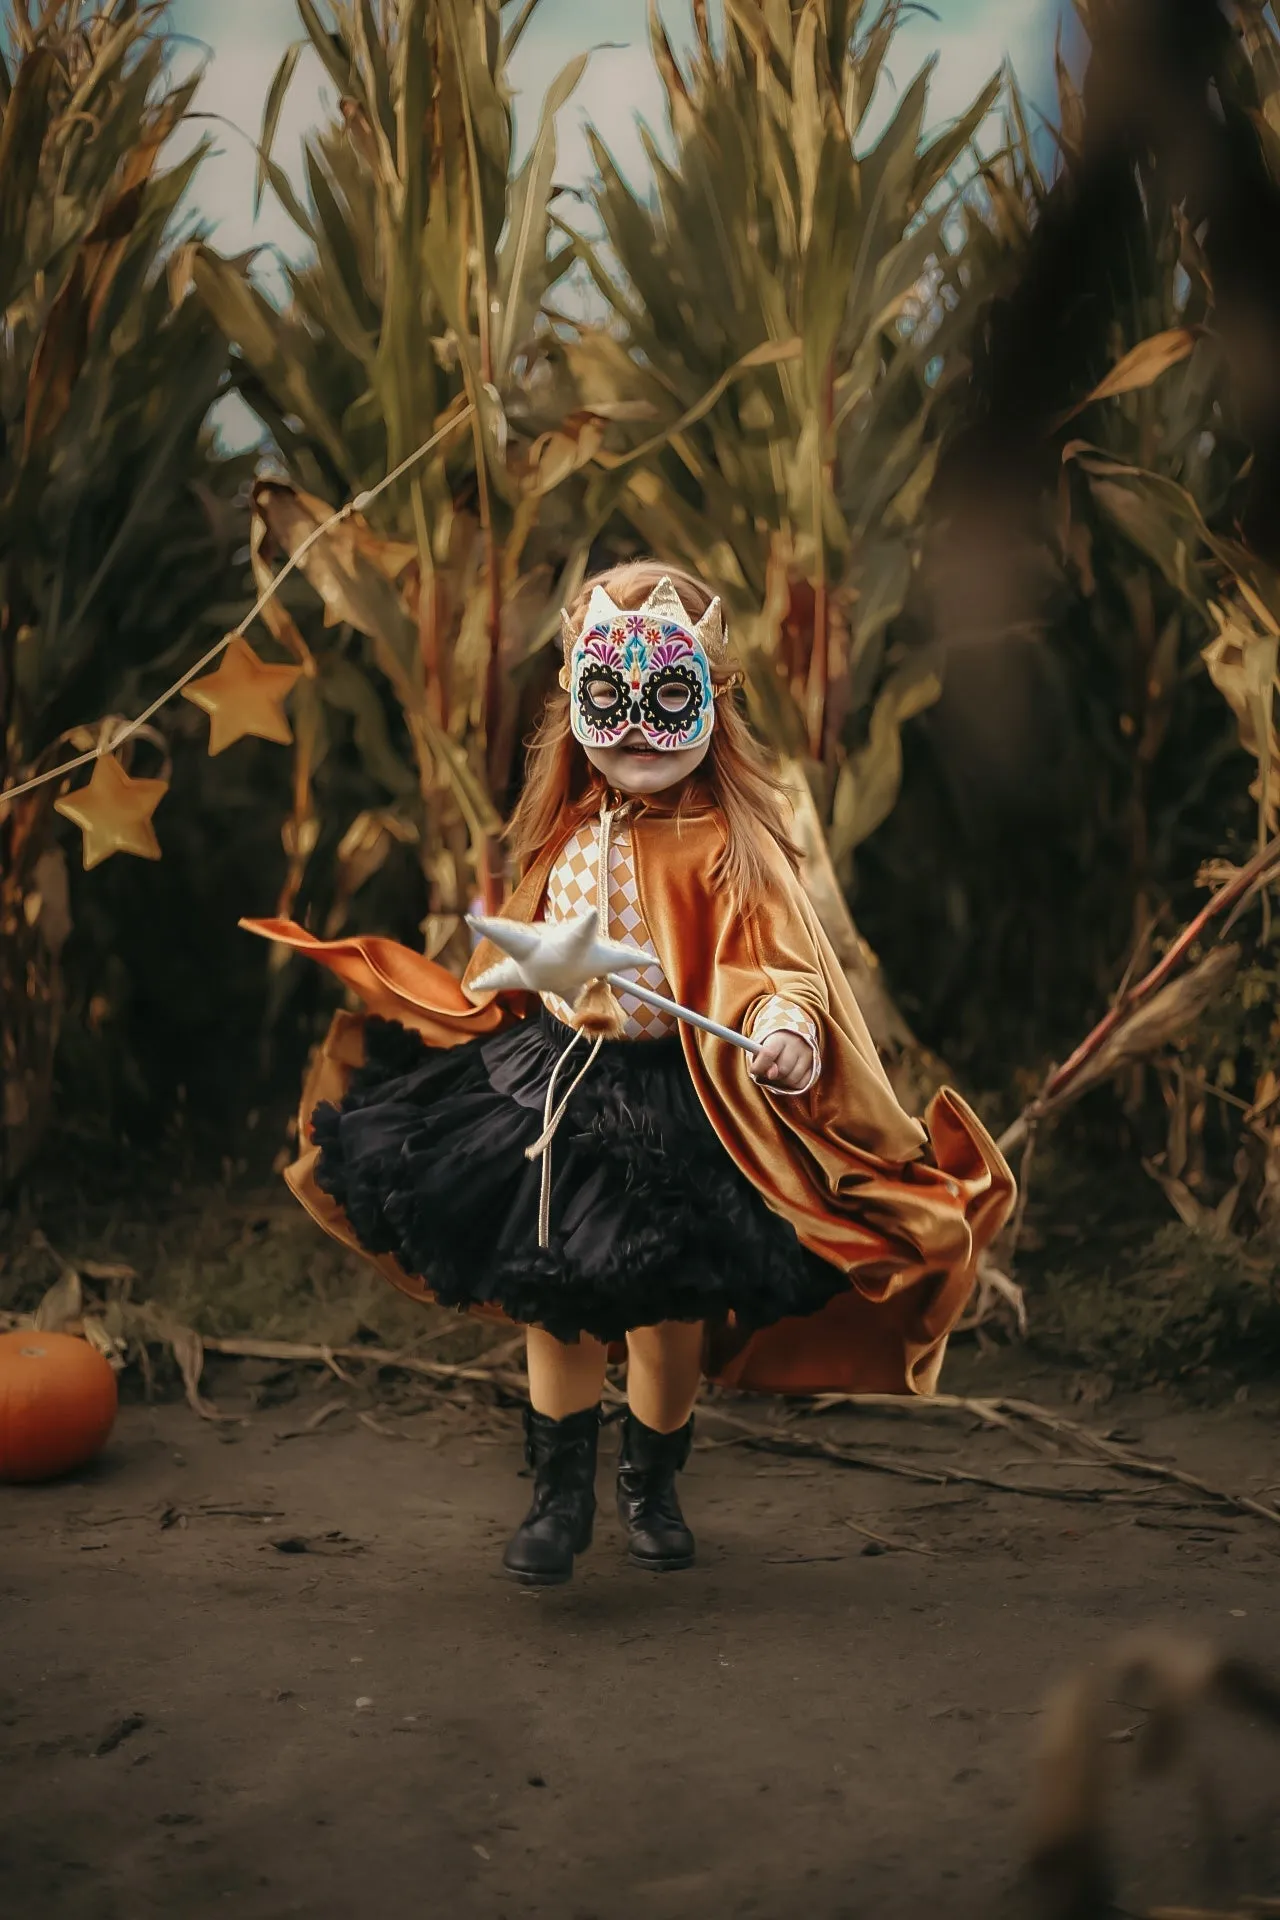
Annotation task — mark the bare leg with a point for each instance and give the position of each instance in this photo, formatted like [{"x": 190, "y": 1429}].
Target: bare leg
[
  {"x": 564, "y": 1379},
  {"x": 664, "y": 1372}
]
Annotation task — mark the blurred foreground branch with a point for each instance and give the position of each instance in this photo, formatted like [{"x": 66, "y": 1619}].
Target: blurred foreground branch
[{"x": 1070, "y": 1857}]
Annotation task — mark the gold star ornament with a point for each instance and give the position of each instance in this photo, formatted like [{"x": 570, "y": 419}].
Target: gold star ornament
[
  {"x": 244, "y": 696},
  {"x": 114, "y": 813}
]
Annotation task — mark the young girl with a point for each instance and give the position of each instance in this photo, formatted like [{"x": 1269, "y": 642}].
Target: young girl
[{"x": 774, "y": 1219}]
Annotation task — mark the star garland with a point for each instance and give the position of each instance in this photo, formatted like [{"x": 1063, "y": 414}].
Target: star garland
[
  {"x": 113, "y": 811},
  {"x": 244, "y": 697}
]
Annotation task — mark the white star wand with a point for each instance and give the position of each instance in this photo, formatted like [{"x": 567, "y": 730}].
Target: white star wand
[{"x": 564, "y": 956}]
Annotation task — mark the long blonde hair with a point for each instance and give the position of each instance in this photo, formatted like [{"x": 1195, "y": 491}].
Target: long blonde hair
[{"x": 562, "y": 787}]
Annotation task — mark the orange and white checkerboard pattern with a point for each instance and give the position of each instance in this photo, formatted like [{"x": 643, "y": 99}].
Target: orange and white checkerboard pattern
[
  {"x": 573, "y": 889},
  {"x": 783, "y": 1016}
]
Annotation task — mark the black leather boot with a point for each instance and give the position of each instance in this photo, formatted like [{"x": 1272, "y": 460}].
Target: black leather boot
[
  {"x": 648, "y": 1508},
  {"x": 559, "y": 1524}
]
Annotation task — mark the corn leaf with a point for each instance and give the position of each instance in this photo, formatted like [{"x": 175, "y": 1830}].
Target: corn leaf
[{"x": 276, "y": 93}]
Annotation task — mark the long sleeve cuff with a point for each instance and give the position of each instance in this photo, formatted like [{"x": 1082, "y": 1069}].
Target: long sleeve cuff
[{"x": 784, "y": 1016}]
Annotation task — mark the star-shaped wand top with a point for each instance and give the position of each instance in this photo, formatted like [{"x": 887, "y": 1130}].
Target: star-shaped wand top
[{"x": 552, "y": 956}]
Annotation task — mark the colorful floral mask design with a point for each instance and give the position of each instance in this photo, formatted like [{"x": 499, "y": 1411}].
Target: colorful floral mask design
[{"x": 649, "y": 670}]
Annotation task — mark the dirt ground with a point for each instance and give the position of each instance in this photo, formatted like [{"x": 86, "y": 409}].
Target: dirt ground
[{"x": 257, "y": 1670}]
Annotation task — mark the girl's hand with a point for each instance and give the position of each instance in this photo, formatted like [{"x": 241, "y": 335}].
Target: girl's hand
[{"x": 784, "y": 1062}]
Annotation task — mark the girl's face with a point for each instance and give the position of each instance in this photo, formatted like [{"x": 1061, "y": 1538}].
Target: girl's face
[
  {"x": 642, "y": 702},
  {"x": 633, "y": 766}
]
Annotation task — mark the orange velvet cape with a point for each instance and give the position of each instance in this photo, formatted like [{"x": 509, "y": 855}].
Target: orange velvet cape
[{"x": 903, "y": 1214}]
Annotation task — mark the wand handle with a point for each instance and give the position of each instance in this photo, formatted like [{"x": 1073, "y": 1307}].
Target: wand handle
[{"x": 663, "y": 1005}]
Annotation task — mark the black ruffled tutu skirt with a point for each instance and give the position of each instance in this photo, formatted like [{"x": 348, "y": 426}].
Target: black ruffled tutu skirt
[{"x": 650, "y": 1218}]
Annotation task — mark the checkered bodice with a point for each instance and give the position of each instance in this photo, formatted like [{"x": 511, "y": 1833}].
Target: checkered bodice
[{"x": 573, "y": 889}]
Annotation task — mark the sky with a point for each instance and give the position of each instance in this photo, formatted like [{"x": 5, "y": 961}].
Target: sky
[{"x": 244, "y": 40}]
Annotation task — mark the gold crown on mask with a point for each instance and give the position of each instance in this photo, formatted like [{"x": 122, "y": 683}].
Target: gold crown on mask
[{"x": 664, "y": 603}]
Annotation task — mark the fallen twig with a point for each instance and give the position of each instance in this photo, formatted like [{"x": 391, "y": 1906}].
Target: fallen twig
[
  {"x": 302, "y": 1352},
  {"x": 376, "y": 1426},
  {"x": 768, "y": 1440},
  {"x": 995, "y": 1291},
  {"x": 1011, "y": 1416},
  {"x": 1103, "y": 1452},
  {"x": 326, "y": 1354},
  {"x": 990, "y": 1412},
  {"x": 1006, "y": 1414},
  {"x": 1126, "y": 1461},
  {"x": 315, "y": 1421},
  {"x": 888, "y": 1541}
]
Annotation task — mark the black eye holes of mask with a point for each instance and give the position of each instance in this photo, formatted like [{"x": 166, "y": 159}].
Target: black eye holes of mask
[{"x": 670, "y": 702}]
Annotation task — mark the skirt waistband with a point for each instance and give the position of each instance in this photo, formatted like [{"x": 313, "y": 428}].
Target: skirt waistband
[{"x": 661, "y": 1047}]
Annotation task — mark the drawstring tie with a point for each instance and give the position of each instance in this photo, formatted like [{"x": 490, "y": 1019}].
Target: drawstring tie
[{"x": 552, "y": 1114}]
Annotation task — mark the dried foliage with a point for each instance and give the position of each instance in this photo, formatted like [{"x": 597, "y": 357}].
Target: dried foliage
[
  {"x": 785, "y": 328},
  {"x": 116, "y": 527},
  {"x": 431, "y": 256},
  {"x": 1080, "y": 767},
  {"x": 1103, "y": 482},
  {"x": 781, "y": 440},
  {"x": 1175, "y": 475},
  {"x": 817, "y": 337}
]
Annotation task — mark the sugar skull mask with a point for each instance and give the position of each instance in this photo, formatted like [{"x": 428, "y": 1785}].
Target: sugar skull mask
[{"x": 649, "y": 669}]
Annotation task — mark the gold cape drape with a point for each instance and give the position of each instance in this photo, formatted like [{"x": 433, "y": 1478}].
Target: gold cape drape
[{"x": 904, "y": 1213}]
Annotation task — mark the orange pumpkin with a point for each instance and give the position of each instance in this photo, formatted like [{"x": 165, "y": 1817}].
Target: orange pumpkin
[{"x": 57, "y": 1404}]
